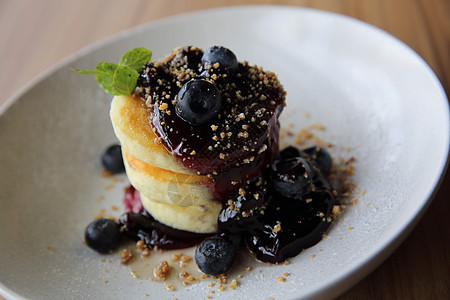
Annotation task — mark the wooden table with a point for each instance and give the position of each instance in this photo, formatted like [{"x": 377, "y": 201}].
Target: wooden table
[{"x": 36, "y": 34}]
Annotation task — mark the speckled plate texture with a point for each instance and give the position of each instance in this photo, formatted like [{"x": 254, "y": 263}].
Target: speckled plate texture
[{"x": 377, "y": 100}]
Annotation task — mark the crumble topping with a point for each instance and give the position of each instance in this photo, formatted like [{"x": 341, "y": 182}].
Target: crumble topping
[
  {"x": 251, "y": 95},
  {"x": 162, "y": 270}
]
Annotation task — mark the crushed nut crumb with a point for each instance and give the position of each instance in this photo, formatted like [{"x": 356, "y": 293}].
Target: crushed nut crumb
[
  {"x": 125, "y": 256},
  {"x": 162, "y": 270}
]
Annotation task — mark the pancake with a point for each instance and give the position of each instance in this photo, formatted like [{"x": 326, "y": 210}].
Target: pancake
[
  {"x": 185, "y": 172},
  {"x": 171, "y": 193},
  {"x": 131, "y": 125},
  {"x": 194, "y": 218},
  {"x": 167, "y": 186}
]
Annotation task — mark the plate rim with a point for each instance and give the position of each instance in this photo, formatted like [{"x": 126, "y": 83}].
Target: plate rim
[{"x": 347, "y": 277}]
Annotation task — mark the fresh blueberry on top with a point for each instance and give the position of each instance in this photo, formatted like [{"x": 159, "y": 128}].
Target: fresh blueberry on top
[
  {"x": 112, "y": 159},
  {"x": 198, "y": 101},
  {"x": 102, "y": 235},
  {"x": 214, "y": 255},
  {"x": 225, "y": 57},
  {"x": 321, "y": 157},
  {"x": 291, "y": 177}
]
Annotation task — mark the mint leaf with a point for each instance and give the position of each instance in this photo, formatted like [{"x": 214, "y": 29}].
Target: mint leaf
[
  {"x": 104, "y": 76},
  {"x": 125, "y": 80},
  {"x": 104, "y": 73},
  {"x": 88, "y": 72},
  {"x": 136, "y": 58},
  {"x": 120, "y": 79}
]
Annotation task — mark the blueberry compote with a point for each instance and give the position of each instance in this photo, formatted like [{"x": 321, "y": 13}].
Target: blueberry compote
[
  {"x": 142, "y": 226},
  {"x": 272, "y": 223},
  {"x": 239, "y": 138},
  {"x": 277, "y": 224},
  {"x": 138, "y": 224}
]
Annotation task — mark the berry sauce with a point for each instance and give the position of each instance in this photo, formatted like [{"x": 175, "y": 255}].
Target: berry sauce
[
  {"x": 132, "y": 200},
  {"x": 142, "y": 226},
  {"x": 275, "y": 203},
  {"x": 272, "y": 225},
  {"x": 138, "y": 224},
  {"x": 239, "y": 142},
  {"x": 275, "y": 226}
]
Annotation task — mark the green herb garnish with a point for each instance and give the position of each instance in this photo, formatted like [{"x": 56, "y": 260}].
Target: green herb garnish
[{"x": 120, "y": 79}]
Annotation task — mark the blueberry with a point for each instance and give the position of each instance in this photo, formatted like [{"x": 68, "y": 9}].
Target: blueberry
[
  {"x": 289, "y": 152},
  {"x": 198, "y": 102},
  {"x": 112, "y": 159},
  {"x": 102, "y": 235},
  {"x": 291, "y": 226},
  {"x": 242, "y": 213},
  {"x": 226, "y": 58},
  {"x": 291, "y": 177},
  {"x": 236, "y": 240},
  {"x": 214, "y": 255},
  {"x": 321, "y": 157}
]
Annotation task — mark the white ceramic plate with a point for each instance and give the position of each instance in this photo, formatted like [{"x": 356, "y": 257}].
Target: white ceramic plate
[{"x": 370, "y": 91}]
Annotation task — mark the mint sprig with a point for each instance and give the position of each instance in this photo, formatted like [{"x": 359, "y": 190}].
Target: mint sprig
[{"x": 120, "y": 79}]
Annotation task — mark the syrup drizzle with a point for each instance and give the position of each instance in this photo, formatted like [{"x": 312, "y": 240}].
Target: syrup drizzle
[{"x": 240, "y": 142}]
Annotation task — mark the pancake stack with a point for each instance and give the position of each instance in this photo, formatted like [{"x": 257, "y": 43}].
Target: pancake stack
[
  {"x": 186, "y": 170},
  {"x": 172, "y": 193}
]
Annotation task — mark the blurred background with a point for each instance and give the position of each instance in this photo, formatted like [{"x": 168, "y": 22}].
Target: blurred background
[{"x": 35, "y": 35}]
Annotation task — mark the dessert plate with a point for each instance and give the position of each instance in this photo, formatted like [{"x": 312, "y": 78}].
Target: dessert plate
[{"x": 378, "y": 101}]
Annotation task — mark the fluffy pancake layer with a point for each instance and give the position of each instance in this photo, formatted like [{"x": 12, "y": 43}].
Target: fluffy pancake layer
[
  {"x": 166, "y": 186},
  {"x": 131, "y": 125},
  {"x": 195, "y": 218},
  {"x": 171, "y": 193}
]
